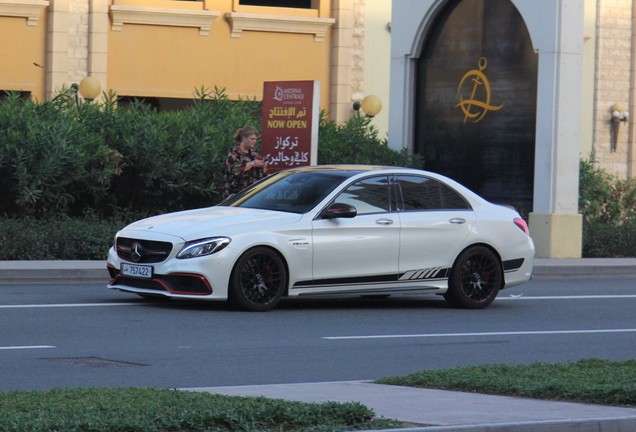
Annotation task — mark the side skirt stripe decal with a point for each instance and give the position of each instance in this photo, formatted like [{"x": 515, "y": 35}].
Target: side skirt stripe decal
[{"x": 433, "y": 274}]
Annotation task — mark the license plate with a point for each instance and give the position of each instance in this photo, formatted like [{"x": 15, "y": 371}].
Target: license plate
[{"x": 138, "y": 271}]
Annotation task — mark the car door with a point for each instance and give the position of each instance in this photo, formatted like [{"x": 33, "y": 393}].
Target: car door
[
  {"x": 361, "y": 251},
  {"x": 435, "y": 221}
]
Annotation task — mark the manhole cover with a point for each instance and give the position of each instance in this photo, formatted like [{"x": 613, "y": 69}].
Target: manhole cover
[{"x": 93, "y": 362}]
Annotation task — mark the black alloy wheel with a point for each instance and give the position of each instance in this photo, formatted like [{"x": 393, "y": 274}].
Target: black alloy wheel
[
  {"x": 259, "y": 280},
  {"x": 475, "y": 279}
]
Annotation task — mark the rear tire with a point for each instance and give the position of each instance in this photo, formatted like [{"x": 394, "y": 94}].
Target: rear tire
[
  {"x": 475, "y": 279},
  {"x": 258, "y": 280}
]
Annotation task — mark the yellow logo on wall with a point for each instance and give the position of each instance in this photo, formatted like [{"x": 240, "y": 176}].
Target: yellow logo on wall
[{"x": 476, "y": 106}]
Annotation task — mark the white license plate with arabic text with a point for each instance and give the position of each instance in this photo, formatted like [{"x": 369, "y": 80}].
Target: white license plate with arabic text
[{"x": 138, "y": 271}]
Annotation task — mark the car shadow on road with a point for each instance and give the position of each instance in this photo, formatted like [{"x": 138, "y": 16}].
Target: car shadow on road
[{"x": 321, "y": 303}]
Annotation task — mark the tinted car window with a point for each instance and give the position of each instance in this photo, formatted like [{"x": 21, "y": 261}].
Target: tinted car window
[
  {"x": 294, "y": 192},
  {"x": 425, "y": 193},
  {"x": 368, "y": 196},
  {"x": 452, "y": 199}
]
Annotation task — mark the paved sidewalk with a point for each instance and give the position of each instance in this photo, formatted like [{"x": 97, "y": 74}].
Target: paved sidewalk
[{"x": 441, "y": 410}]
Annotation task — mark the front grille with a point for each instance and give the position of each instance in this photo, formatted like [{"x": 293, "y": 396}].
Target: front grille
[
  {"x": 142, "y": 251},
  {"x": 175, "y": 283},
  {"x": 148, "y": 284}
]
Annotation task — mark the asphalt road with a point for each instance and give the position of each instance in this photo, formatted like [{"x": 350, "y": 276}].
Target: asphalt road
[{"x": 83, "y": 335}]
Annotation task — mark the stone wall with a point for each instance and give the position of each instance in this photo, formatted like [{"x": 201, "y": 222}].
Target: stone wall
[
  {"x": 348, "y": 42},
  {"x": 614, "y": 84},
  {"x": 357, "y": 71},
  {"x": 77, "y": 40}
]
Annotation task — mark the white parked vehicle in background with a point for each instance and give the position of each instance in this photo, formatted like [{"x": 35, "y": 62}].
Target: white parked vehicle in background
[{"x": 329, "y": 230}]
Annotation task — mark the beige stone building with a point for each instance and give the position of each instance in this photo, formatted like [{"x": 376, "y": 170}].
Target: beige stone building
[
  {"x": 165, "y": 49},
  {"x": 609, "y": 80}
]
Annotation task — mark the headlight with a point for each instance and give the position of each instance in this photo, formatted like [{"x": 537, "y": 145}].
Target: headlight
[{"x": 203, "y": 247}]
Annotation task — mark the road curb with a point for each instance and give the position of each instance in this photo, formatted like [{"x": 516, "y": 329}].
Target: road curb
[
  {"x": 589, "y": 425},
  {"x": 585, "y": 270},
  {"x": 53, "y": 276},
  {"x": 53, "y": 271}
]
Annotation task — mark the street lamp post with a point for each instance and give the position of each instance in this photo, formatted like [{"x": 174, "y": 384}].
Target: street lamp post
[
  {"x": 370, "y": 106},
  {"x": 89, "y": 88},
  {"x": 618, "y": 115}
]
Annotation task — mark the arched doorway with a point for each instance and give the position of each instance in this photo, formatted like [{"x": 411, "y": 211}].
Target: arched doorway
[{"x": 476, "y": 98}]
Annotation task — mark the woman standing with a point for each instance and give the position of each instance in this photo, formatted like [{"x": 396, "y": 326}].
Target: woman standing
[{"x": 243, "y": 165}]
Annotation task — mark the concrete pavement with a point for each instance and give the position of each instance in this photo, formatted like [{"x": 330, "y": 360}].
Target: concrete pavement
[
  {"x": 428, "y": 410},
  {"x": 442, "y": 410}
]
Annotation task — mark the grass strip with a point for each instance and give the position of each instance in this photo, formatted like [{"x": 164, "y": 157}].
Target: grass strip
[
  {"x": 162, "y": 410},
  {"x": 589, "y": 381}
]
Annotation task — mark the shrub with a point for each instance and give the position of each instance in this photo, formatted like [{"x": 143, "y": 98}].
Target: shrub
[
  {"x": 63, "y": 158},
  {"x": 605, "y": 198},
  {"x": 50, "y": 162},
  {"x": 603, "y": 240},
  {"x": 174, "y": 160},
  {"x": 608, "y": 206},
  {"x": 356, "y": 141},
  {"x": 61, "y": 238},
  {"x": 156, "y": 410},
  {"x": 61, "y": 161}
]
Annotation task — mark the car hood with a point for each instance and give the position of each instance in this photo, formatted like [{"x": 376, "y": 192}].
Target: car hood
[{"x": 212, "y": 221}]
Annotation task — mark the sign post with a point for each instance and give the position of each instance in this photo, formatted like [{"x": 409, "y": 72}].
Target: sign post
[{"x": 290, "y": 117}]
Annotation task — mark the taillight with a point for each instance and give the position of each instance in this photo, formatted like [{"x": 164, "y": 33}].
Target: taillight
[{"x": 523, "y": 226}]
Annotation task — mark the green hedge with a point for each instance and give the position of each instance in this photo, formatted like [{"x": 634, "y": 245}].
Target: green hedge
[
  {"x": 356, "y": 141},
  {"x": 608, "y": 206},
  {"x": 156, "y": 410},
  {"x": 50, "y": 160},
  {"x": 71, "y": 174},
  {"x": 60, "y": 158},
  {"x": 602, "y": 240},
  {"x": 85, "y": 238}
]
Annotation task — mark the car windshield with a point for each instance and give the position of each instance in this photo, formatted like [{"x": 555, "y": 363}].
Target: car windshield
[{"x": 288, "y": 191}]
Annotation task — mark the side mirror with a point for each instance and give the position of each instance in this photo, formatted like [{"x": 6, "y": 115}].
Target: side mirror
[{"x": 339, "y": 210}]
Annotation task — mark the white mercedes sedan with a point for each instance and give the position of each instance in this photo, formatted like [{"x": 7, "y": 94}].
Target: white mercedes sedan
[{"x": 329, "y": 231}]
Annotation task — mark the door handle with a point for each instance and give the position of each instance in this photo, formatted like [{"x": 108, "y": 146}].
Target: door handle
[
  {"x": 384, "y": 222},
  {"x": 457, "y": 221}
]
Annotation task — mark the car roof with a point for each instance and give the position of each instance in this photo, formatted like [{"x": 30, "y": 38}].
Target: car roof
[
  {"x": 341, "y": 167},
  {"x": 350, "y": 168}
]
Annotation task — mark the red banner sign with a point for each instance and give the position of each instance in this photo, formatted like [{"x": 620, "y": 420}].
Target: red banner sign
[{"x": 290, "y": 123}]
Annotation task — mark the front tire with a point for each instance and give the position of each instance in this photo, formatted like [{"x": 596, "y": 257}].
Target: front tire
[
  {"x": 258, "y": 280},
  {"x": 475, "y": 279}
]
